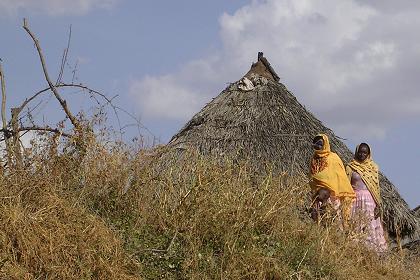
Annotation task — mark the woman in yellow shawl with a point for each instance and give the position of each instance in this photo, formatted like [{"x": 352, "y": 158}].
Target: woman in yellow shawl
[
  {"x": 329, "y": 182},
  {"x": 363, "y": 173}
]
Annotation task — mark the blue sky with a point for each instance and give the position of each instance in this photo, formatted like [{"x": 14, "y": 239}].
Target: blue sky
[{"x": 354, "y": 64}]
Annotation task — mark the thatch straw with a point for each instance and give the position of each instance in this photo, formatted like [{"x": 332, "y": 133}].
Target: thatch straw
[
  {"x": 416, "y": 211},
  {"x": 413, "y": 248},
  {"x": 263, "y": 122},
  {"x": 416, "y": 237}
]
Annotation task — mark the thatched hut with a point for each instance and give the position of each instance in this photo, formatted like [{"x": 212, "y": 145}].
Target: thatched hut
[{"x": 258, "y": 118}]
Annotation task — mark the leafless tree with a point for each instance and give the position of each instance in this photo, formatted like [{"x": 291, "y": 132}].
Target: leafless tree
[{"x": 13, "y": 129}]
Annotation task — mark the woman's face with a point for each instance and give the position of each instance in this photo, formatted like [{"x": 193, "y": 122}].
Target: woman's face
[
  {"x": 362, "y": 153},
  {"x": 318, "y": 143}
]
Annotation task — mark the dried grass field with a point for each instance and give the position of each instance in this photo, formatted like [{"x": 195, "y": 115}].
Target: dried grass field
[{"x": 114, "y": 213}]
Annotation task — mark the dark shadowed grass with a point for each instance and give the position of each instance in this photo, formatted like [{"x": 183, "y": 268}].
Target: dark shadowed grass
[{"x": 112, "y": 215}]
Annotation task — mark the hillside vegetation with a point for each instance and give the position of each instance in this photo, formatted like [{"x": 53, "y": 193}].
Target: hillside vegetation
[{"x": 114, "y": 213}]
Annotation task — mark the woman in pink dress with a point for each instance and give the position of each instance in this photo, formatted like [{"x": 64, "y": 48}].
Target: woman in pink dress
[{"x": 363, "y": 173}]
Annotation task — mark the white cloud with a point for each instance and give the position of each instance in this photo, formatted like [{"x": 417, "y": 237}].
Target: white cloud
[
  {"x": 53, "y": 7},
  {"x": 352, "y": 63},
  {"x": 178, "y": 96},
  {"x": 164, "y": 97}
]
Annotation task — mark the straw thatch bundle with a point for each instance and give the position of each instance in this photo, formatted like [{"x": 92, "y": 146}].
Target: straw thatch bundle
[
  {"x": 416, "y": 211},
  {"x": 258, "y": 119}
]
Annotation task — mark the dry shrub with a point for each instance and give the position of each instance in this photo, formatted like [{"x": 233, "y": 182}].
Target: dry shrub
[
  {"x": 46, "y": 234},
  {"x": 110, "y": 215}
]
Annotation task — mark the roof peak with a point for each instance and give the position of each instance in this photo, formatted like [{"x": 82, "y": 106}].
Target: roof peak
[{"x": 263, "y": 67}]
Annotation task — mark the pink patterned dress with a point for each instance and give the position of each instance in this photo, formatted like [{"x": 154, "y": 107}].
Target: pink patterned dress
[{"x": 363, "y": 216}]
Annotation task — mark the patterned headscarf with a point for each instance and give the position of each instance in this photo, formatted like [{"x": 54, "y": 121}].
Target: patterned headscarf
[
  {"x": 369, "y": 172},
  {"x": 327, "y": 171},
  {"x": 319, "y": 160}
]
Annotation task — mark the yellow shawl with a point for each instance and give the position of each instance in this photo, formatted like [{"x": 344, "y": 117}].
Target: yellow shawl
[
  {"x": 369, "y": 172},
  {"x": 327, "y": 171}
]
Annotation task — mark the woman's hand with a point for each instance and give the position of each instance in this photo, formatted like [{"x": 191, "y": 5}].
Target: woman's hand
[
  {"x": 377, "y": 212},
  {"x": 314, "y": 214}
]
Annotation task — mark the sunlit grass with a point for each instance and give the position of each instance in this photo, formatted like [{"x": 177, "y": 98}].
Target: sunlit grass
[{"x": 115, "y": 214}]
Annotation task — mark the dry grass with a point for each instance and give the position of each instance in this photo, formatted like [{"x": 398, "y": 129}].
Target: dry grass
[
  {"x": 68, "y": 218},
  {"x": 47, "y": 234},
  {"x": 220, "y": 223}
]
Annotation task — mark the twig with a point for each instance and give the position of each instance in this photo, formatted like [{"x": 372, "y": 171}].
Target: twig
[
  {"x": 3, "y": 96},
  {"x": 27, "y": 100},
  {"x": 46, "y": 129},
  {"x": 17, "y": 153},
  {"x": 29, "y": 113},
  {"x": 164, "y": 250},
  {"x": 74, "y": 71},
  {"x": 344, "y": 139},
  {"x": 139, "y": 124},
  {"x": 64, "y": 59},
  {"x": 62, "y": 102},
  {"x": 172, "y": 242}
]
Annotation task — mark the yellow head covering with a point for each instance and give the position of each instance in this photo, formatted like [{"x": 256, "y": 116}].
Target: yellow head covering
[
  {"x": 327, "y": 171},
  {"x": 369, "y": 172}
]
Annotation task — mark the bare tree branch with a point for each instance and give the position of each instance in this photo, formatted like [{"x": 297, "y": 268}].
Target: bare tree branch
[
  {"x": 138, "y": 122},
  {"x": 3, "y": 96},
  {"x": 46, "y": 129},
  {"x": 64, "y": 59},
  {"x": 63, "y": 103},
  {"x": 91, "y": 91},
  {"x": 3, "y": 115},
  {"x": 108, "y": 101},
  {"x": 28, "y": 100},
  {"x": 29, "y": 112},
  {"x": 15, "y": 138}
]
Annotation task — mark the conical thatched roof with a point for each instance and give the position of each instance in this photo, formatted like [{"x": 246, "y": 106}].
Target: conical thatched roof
[
  {"x": 416, "y": 211},
  {"x": 257, "y": 118}
]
